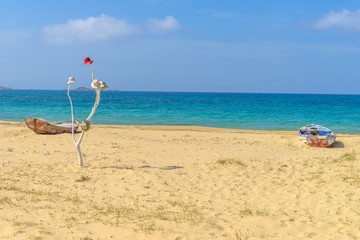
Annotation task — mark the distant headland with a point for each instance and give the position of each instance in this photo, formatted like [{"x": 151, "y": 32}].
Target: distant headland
[
  {"x": 75, "y": 89},
  {"x": 82, "y": 89},
  {"x": 90, "y": 89},
  {"x": 4, "y": 88}
]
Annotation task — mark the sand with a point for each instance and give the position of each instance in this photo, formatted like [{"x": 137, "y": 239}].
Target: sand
[{"x": 144, "y": 182}]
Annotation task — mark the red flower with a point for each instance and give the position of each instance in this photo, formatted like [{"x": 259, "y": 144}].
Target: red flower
[{"x": 87, "y": 60}]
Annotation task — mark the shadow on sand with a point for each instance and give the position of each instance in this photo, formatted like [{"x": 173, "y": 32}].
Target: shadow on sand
[
  {"x": 116, "y": 167},
  {"x": 146, "y": 166},
  {"x": 162, "y": 168},
  {"x": 338, "y": 144}
]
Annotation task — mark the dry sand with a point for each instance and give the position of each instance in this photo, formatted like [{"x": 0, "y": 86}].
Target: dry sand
[{"x": 177, "y": 183}]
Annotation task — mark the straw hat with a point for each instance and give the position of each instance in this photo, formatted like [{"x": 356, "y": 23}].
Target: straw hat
[
  {"x": 85, "y": 125},
  {"x": 87, "y": 60},
  {"x": 71, "y": 80},
  {"x": 99, "y": 84}
]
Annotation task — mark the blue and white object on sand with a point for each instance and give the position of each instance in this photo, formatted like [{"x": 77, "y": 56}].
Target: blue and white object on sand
[{"x": 315, "y": 135}]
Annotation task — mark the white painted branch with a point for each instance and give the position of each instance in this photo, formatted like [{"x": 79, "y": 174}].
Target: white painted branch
[
  {"x": 72, "y": 114},
  {"x": 96, "y": 104},
  {"x": 78, "y": 149},
  {"x": 79, "y": 154},
  {"x": 92, "y": 72},
  {"x": 77, "y": 143}
]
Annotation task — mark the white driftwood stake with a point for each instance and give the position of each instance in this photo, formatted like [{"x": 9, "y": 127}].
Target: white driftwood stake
[
  {"x": 97, "y": 85},
  {"x": 77, "y": 143}
]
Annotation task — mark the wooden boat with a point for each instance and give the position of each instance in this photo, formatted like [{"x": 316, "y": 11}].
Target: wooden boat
[
  {"x": 315, "y": 135},
  {"x": 42, "y": 126}
]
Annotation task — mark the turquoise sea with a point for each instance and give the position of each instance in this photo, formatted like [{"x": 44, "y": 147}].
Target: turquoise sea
[{"x": 341, "y": 113}]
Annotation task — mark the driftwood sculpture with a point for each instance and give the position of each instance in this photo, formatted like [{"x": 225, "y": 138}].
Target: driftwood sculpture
[{"x": 98, "y": 85}]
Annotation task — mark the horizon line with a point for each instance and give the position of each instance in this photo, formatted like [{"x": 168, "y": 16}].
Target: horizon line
[{"x": 163, "y": 91}]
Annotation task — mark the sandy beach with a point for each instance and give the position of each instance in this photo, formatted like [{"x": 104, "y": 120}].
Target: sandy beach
[{"x": 145, "y": 182}]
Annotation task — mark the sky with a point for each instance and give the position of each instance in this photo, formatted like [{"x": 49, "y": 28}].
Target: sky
[{"x": 250, "y": 46}]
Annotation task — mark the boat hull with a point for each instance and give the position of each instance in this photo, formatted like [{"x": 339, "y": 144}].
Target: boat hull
[
  {"x": 315, "y": 135},
  {"x": 43, "y": 127}
]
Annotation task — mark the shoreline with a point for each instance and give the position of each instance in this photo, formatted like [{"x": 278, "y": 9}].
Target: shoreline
[
  {"x": 189, "y": 128},
  {"x": 165, "y": 182}
]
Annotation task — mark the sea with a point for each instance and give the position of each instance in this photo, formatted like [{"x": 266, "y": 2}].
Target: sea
[{"x": 257, "y": 111}]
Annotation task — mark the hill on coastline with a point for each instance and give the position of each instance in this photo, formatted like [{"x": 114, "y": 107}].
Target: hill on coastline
[
  {"x": 82, "y": 89},
  {"x": 90, "y": 89},
  {"x": 4, "y": 88}
]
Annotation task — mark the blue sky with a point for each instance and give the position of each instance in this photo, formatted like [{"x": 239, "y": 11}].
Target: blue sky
[{"x": 298, "y": 46}]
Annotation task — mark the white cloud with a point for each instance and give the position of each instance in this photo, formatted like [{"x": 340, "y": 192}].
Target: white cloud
[
  {"x": 162, "y": 26},
  {"x": 345, "y": 19},
  {"x": 88, "y": 30}
]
